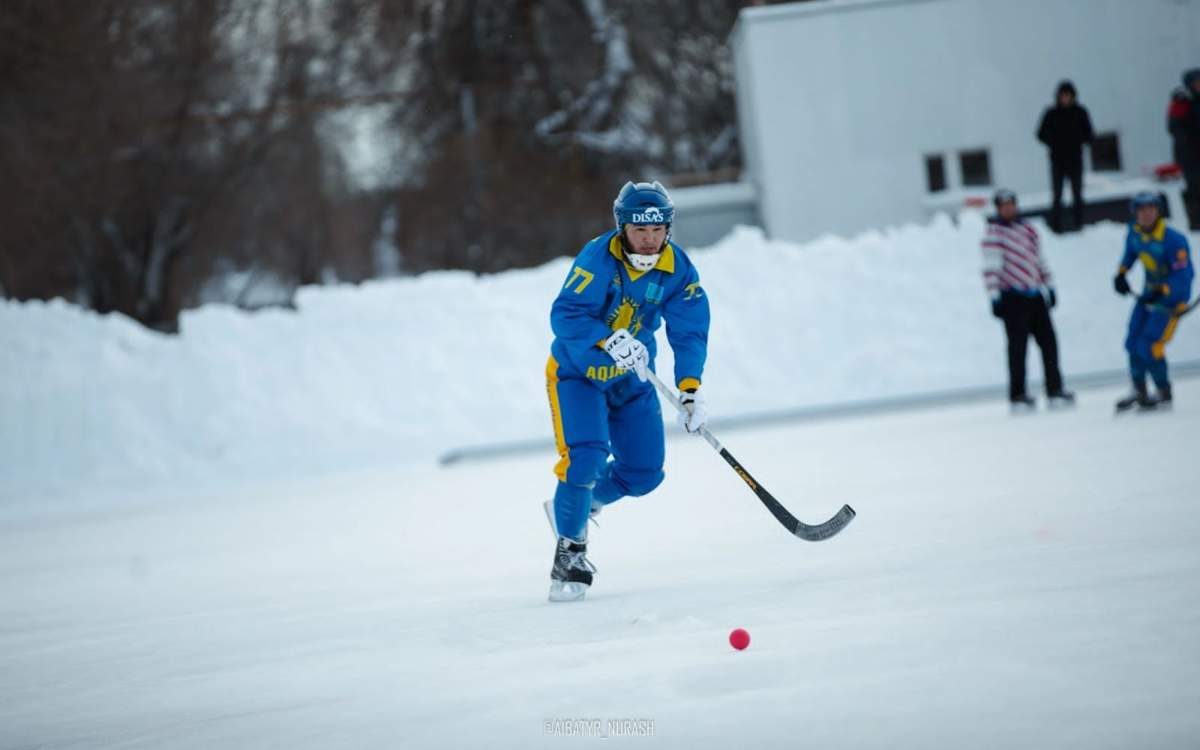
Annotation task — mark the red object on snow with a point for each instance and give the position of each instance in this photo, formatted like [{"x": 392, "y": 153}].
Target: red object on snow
[
  {"x": 975, "y": 201},
  {"x": 739, "y": 639},
  {"x": 1167, "y": 171}
]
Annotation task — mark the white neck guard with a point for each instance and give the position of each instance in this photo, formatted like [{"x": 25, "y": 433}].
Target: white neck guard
[{"x": 642, "y": 262}]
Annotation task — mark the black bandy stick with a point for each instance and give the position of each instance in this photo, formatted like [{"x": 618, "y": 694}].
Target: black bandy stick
[{"x": 802, "y": 530}]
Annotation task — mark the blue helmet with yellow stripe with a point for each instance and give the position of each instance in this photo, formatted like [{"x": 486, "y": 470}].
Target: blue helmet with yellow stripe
[
  {"x": 643, "y": 203},
  {"x": 1145, "y": 198}
]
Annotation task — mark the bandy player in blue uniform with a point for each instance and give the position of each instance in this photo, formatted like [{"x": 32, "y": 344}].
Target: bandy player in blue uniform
[
  {"x": 1166, "y": 259},
  {"x": 608, "y": 423}
]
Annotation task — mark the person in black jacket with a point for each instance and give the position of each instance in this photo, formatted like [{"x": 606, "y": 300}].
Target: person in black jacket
[
  {"x": 1065, "y": 128},
  {"x": 1183, "y": 123}
]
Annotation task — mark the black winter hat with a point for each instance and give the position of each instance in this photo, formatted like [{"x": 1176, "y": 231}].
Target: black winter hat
[
  {"x": 1004, "y": 195},
  {"x": 1067, "y": 87},
  {"x": 1189, "y": 76}
]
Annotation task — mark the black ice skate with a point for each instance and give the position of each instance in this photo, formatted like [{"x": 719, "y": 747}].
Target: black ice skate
[
  {"x": 1060, "y": 399},
  {"x": 1158, "y": 401},
  {"x": 572, "y": 572},
  {"x": 1021, "y": 404},
  {"x": 1139, "y": 398}
]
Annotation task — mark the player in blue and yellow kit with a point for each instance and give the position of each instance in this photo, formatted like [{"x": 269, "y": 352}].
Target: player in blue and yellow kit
[
  {"x": 621, "y": 287},
  {"x": 1167, "y": 262}
]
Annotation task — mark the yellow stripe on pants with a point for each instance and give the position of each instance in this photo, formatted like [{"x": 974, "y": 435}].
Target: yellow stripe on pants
[
  {"x": 560, "y": 439},
  {"x": 1158, "y": 348}
]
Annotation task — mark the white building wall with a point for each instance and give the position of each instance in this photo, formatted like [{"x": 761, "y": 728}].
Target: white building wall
[
  {"x": 839, "y": 101},
  {"x": 706, "y": 213}
]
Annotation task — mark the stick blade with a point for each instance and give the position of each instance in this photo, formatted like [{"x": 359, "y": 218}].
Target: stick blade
[{"x": 823, "y": 531}]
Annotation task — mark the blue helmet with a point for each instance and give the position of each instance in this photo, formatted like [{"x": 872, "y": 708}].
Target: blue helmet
[
  {"x": 643, "y": 203},
  {"x": 1145, "y": 198}
]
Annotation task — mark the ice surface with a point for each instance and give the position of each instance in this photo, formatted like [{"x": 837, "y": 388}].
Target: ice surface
[{"x": 1026, "y": 581}]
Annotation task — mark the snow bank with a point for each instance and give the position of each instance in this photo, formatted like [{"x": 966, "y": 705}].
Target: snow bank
[{"x": 397, "y": 371}]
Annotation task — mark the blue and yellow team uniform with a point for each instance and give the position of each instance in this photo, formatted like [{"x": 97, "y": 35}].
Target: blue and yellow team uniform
[
  {"x": 1165, "y": 256},
  {"x": 600, "y": 409}
]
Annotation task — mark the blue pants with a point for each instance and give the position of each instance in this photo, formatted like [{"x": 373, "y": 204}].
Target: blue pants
[
  {"x": 1150, "y": 328},
  {"x": 625, "y": 420}
]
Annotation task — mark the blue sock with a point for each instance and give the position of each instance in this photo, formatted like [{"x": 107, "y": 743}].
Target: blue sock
[
  {"x": 1158, "y": 373},
  {"x": 572, "y": 503},
  {"x": 1137, "y": 371}
]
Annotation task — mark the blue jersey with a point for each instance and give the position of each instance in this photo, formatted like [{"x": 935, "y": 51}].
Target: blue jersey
[
  {"x": 603, "y": 293},
  {"x": 1165, "y": 255}
]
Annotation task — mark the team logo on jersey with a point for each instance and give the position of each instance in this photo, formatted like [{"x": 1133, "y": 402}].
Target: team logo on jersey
[
  {"x": 626, "y": 315},
  {"x": 1181, "y": 260},
  {"x": 650, "y": 216}
]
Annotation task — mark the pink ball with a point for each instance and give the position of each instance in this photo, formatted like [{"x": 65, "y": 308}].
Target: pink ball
[{"x": 739, "y": 639}]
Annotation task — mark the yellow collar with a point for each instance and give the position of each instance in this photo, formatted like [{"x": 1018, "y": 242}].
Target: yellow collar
[
  {"x": 1160, "y": 229},
  {"x": 666, "y": 261}
]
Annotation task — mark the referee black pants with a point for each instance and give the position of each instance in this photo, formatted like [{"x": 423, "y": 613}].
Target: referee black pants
[
  {"x": 1024, "y": 316},
  {"x": 1072, "y": 173}
]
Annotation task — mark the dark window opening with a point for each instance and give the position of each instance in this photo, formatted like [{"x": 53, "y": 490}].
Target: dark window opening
[
  {"x": 976, "y": 168},
  {"x": 1106, "y": 153},
  {"x": 935, "y": 173}
]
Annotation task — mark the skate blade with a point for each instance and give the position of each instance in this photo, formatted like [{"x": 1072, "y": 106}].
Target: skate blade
[
  {"x": 1155, "y": 408},
  {"x": 567, "y": 591},
  {"x": 1056, "y": 404}
]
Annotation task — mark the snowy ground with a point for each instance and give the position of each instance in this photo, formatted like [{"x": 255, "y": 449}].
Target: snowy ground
[
  {"x": 1009, "y": 582},
  {"x": 237, "y": 537},
  {"x": 401, "y": 371}
]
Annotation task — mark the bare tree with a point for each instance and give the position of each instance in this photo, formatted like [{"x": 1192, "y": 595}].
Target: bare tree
[
  {"x": 532, "y": 113},
  {"x": 152, "y": 145},
  {"x": 124, "y": 153}
]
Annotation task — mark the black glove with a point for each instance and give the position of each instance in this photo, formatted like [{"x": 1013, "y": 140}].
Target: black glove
[
  {"x": 1121, "y": 284},
  {"x": 1053, "y": 298},
  {"x": 1151, "y": 295},
  {"x": 998, "y": 307}
]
